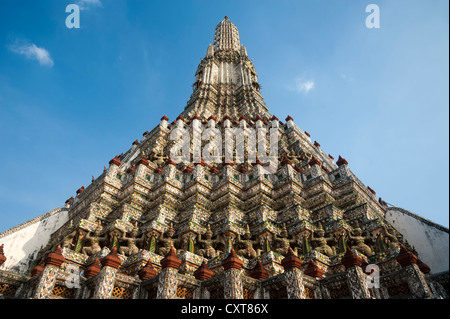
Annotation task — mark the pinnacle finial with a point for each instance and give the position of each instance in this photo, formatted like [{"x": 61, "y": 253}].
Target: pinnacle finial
[{"x": 226, "y": 36}]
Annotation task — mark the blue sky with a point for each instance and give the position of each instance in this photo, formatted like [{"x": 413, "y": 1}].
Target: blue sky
[{"x": 71, "y": 99}]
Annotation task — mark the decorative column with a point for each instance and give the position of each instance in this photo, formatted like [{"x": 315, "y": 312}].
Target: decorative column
[
  {"x": 356, "y": 279},
  {"x": 168, "y": 281},
  {"x": 142, "y": 167},
  {"x": 416, "y": 279},
  {"x": 293, "y": 276},
  {"x": 289, "y": 121},
  {"x": 47, "y": 277},
  {"x": 274, "y": 121},
  {"x": 106, "y": 277},
  {"x": 164, "y": 122},
  {"x": 113, "y": 169},
  {"x": 232, "y": 269}
]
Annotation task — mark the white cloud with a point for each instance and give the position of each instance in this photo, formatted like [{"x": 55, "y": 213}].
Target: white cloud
[
  {"x": 33, "y": 52},
  {"x": 303, "y": 86},
  {"x": 86, "y": 4}
]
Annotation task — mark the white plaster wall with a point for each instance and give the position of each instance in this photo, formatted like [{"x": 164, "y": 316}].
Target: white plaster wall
[
  {"x": 22, "y": 245},
  {"x": 429, "y": 239}
]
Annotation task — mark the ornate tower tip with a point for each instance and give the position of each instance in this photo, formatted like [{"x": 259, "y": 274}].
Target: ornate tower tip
[{"x": 226, "y": 36}]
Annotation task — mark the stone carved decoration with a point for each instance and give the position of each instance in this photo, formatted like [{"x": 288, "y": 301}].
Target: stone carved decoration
[
  {"x": 131, "y": 248},
  {"x": 305, "y": 246},
  {"x": 208, "y": 243},
  {"x": 247, "y": 251},
  {"x": 283, "y": 243},
  {"x": 159, "y": 158},
  {"x": 294, "y": 157},
  {"x": 167, "y": 242},
  {"x": 186, "y": 242},
  {"x": 150, "y": 242},
  {"x": 359, "y": 241},
  {"x": 322, "y": 242},
  {"x": 265, "y": 242},
  {"x": 79, "y": 240},
  {"x": 114, "y": 236},
  {"x": 68, "y": 240},
  {"x": 228, "y": 240},
  {"x": 94, "y": 241},
  {"x": 381, "y": 244},
  {"x": 341, "y": 242},
  {"x": 391, "y": 240}
]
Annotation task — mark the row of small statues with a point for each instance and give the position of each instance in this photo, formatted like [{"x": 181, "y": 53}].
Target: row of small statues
[{"x": 245, "y": 246}]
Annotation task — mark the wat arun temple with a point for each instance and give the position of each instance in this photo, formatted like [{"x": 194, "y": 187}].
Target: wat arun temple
[{"x": 153, "y": 227}]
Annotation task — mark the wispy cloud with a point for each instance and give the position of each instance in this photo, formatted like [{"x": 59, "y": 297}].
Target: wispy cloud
[
  {"x": 33, "y": 52},
  {"x": 87, "y": 4},
  {"x": 302, "y": 85}
]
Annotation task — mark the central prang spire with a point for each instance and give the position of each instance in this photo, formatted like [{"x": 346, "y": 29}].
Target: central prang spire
[
  {"x": 226, "y": 36},
  {"x": 226, "y": 82}
]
